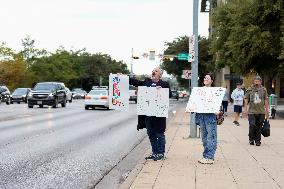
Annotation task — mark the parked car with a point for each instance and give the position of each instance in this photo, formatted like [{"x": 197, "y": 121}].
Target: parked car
[
  {"x": 78, "y": 93},
  {"x": 97, "y": 97},
  {"x": 20, "y": 95},
  {"x": 175, "y": 94},
  {"x": 132, "y": 93},
  {"x": 5, "y": 95},
  {"x": 47, "y": 93},
  {"x": 69, "y": 96}
]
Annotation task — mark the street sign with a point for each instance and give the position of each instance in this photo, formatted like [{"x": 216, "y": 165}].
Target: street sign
[
  {"x": 183, "y": 56},
  {"x": 186, "y": 74},
  {"x": 191, "y": 49},
  {"x": 152, "y": 55}
]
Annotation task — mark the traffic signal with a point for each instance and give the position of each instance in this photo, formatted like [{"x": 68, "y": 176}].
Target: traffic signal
[{"x": 135, "y": 57}]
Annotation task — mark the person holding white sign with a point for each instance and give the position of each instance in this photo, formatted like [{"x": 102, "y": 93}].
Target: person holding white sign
[
  {"x": 208, "y": 127},
  {"x": 155, "y": 126}
]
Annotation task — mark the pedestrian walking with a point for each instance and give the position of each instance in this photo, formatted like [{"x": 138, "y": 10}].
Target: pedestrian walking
[
  {"x": 225, "y": 102},
  {"x": 257, "y": 108},
  {"x": 155, "y": 126},
  {"x": 208, "y": 127},
  {"x": 238, "y": 99}
]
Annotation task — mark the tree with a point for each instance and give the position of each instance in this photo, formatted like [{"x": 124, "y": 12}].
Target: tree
[
  {"x": 12, "y": 68},
  {"x": 247, "y": 37},
  {"x": 175, "y": 66},
  {"x": 29, "y": 52}
]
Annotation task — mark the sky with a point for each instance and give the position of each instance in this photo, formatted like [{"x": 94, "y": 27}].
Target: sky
[{"x": 113, "y": 27}]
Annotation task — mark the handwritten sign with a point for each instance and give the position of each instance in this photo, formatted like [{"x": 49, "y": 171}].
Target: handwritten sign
[
  {"x": 119, "y": 92},
  {"x": 152, "y": 101},
  {"x": 205, "y": 99}
]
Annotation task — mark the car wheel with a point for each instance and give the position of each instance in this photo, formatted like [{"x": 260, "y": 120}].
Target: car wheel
[
  {"x": 135, "y": 101},
  {"x": 55, "y": 103},
  {"x": 41, "y": 106},
  {"x": 18, "y": 102},
  {"x": 12, "y": 102},
  {"x": 8, "y": 102},
  {"x": 63, "y": 104},
  {"x": 70, "y": 101},
  {"x": 86, "y": 107},
  {"x": 30, "y": 106}
]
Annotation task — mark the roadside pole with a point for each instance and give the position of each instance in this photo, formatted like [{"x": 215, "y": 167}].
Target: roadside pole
[
  {"x": 131, "y": 66},
  {"x": 194, "y": 67}
]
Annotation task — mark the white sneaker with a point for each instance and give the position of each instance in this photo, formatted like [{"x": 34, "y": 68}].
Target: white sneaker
[{"x": 206, "y": 161}]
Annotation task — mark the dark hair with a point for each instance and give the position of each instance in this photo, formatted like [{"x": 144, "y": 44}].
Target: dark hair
[{"x": 211, "y": 76}]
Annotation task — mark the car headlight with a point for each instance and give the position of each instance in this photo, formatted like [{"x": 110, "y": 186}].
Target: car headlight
[
  {"x": 30, "y": 94},
  {"x": 51, "y": 95}
]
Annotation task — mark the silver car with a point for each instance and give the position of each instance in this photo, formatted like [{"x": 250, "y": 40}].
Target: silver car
[
  {"x": 69, "y": 96},
  {"x": 97, "y": 97}
]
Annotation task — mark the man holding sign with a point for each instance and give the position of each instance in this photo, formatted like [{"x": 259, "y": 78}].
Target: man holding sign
[
  {"x": 206, "y": 102},
  {"x": 154, "y": 121}
]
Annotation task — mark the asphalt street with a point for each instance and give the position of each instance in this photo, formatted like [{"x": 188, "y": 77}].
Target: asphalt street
[{"x": 63, "y": 147}]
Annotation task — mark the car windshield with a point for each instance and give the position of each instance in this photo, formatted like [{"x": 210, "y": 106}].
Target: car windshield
[
  {"x": 45, "y": 87},
  {"x": 20, "y": 92},
  {"x": 2, "y": 89},
  {"x": 98, "y": 92},
  {"x": 78, "y": 90}
]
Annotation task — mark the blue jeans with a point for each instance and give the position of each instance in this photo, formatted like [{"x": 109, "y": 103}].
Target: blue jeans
[
  {"x": 208, "y": 127},
  {"x": 157, "y": 140}
]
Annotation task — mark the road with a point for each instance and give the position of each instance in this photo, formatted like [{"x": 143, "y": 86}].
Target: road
[{"x": 63, "y": 147}]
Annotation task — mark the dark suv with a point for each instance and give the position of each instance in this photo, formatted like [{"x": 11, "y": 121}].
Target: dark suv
[
  {"x": 47, "y": 93},
  {"x": 5, "y": 95}
]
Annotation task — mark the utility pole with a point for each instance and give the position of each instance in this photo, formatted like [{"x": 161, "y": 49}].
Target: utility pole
[
  {"x": 194, "y": 66},
  {"x": 131, "y": 68}
]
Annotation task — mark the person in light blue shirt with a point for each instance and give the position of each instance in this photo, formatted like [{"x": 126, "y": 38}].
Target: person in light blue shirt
[{"x": 238, "y": 96}]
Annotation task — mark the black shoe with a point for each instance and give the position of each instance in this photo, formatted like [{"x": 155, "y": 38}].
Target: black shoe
[
  {"x": 258, "y": 143},
  {"x": 158, "y": 157},
  {"x": 251, "y": 142},
  {"x": 236, "y": 123},
  {"x": 152, "y": 156}
]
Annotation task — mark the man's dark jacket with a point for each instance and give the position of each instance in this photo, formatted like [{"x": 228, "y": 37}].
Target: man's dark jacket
[{"x": 159, "y": 123}]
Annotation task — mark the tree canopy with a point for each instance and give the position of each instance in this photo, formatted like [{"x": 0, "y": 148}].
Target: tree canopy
[
  {"x": 247, "y": 36},
  {"x": 75, "y": 68}
]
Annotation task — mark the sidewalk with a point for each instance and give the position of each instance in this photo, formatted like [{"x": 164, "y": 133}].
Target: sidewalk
[{"x": 237, "y": 164}]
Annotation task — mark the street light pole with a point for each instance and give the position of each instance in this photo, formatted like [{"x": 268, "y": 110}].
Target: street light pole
[
  {"x": 131, "y": 68},
  {"x": 194, "y": 66}
]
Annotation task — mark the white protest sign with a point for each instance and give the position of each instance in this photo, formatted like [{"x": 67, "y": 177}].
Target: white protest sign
[
  {"x": 152, "y": 101},
  {"x": 119, "y": 92},
  {"x": 205, "y": 99}
]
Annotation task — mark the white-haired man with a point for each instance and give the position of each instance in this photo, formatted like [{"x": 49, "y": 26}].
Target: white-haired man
[{"x": 155, "y": 126}]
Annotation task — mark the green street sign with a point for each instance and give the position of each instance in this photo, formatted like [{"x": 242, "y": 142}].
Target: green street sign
[{"x": 183, "y": 56}]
